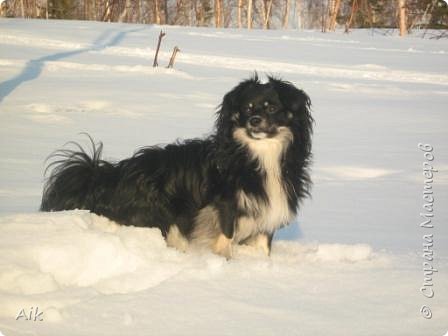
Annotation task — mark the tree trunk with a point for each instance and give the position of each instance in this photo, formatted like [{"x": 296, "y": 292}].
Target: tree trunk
[
  {"x": 352, "y": 14},
  {"x": 298, "y": 15},
  {"x": 22, "y": 9},
  {"x": 139, "y": 11},
  {"x": 249, "y": 14},
  {"x": 124, "y": 13},
  {"x": 228, "y": 14},
  {"x": 286, "y": 15},
  {"x": 433, "y": 5},
  {"x": 93, "y": 13},
  {"x": 192, "y": 17},
  {"x": 240, "y": 10},
  {"x": 157, "y": 11},
  {"x": 218, "y": 13},
  {"x": 200, "y": 15},
  {"x": 334, "y": 14},
  {"x": 402, "y": 16},
  {"x": 108, "y": 12},
  {"x": 266, "y": 13},
  {"x": 324, "y": 14},
  {"x": 37, "y": 9},
  {"x": 178, "y": 13},
  {"x": 86, "y": 10},
  {"x": 166, "y": 12},
  {"x": 368, "y": 9}
]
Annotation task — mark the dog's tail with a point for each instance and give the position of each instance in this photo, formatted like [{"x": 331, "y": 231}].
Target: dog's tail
[{"x": 77, "y": 178}]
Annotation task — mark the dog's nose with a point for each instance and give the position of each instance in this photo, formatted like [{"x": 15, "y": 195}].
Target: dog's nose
[{"x": 255, "y": 121}]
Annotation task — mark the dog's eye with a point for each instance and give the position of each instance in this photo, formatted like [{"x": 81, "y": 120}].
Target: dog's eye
[
  {"x": 272, "y": 109},
  {"x": 249, "y": 107}
]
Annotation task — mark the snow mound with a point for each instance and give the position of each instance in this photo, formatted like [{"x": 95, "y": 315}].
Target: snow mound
[
  {"x": 80, "y": 249},
  {"x": 315, "y": 253},
  {"x": 46, "y": 252}
]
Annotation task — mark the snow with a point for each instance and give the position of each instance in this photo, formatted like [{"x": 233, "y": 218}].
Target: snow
[{"x": 350, "y": 264}]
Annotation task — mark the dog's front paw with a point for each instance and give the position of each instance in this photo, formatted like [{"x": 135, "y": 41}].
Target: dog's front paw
[
  {"x": 260, "y": 242},
  {"x": 223, "y": 246},
  {"x": 175, "y": 239}
]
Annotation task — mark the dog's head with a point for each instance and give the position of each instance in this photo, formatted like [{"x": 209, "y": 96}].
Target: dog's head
[{"x": 265, "y": 110}]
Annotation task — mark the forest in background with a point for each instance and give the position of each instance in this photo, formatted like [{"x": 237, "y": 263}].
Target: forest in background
[{"x": 326, "y": 15}]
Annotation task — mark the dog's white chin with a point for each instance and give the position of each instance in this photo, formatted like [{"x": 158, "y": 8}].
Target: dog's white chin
[{"x": 258, "y": 135}]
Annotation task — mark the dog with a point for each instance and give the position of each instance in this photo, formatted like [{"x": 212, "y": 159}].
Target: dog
[{"x": 237, "y": 186}]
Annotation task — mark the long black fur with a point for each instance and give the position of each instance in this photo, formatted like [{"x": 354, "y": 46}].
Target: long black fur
[{"x": 165, "y": 186}]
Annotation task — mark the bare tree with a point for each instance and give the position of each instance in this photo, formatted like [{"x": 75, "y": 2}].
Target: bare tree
[
  {"x": 240, "y": 11},
  {"x": 22, "y": 7},
  {"x": 286, "y": 14},
  {"x": 228, "y": 13},
  {"x": 87, "y": 10},
  {"x": 166, "y": 12},
  {"x": 107, "y": 16},
  {"x": 334, "y": 13},
  {"x": 266, "y": 7},
  {"x": 298, "y": 13},
  {"x": 218, "y": 13},
  {"x": 180, "y": 15},
  {"x": 124, "y": 14},
  {"x": 157, "y": 11},
  {"x": 324, "y": 14},
  {"x": 352, "y": 14},
  {"x": 430, "y": 7},
  {"x": 402, "y": 16},
  {"x": 249, "y": 13}
]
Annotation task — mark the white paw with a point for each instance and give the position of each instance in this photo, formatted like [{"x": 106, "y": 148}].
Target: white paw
[{"x": 223, "y": 247}]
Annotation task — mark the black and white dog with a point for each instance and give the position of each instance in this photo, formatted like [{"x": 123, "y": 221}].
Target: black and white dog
[{"x": 237, "y": 186}]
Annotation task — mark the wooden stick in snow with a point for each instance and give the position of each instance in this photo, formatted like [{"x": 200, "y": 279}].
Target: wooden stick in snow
[
  {"x": 173, "y": 56},
  {"x": 161, "y": 35}
]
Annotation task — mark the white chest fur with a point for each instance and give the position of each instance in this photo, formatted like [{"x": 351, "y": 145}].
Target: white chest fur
[{"x": 275, "y": 213}]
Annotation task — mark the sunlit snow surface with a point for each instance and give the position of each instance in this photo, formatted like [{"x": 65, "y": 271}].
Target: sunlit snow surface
[{"x": 350, "y": 264}]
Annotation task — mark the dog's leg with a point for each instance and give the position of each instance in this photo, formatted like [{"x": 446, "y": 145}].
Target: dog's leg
[
  {"x": 223, "y": 246},
  {"x": 227, "y": 219},
  {"x": 176, "y": 239},
  {"x": 262, "y": 241}
]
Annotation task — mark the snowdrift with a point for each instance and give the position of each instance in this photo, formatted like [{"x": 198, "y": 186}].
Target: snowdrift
[{"x": 47, "y": 252}]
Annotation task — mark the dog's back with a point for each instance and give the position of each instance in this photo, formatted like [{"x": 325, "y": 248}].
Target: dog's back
[{"x": 155, "y": 187}]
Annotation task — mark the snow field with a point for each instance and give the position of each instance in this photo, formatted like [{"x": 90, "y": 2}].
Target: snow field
[{"x": 350, "y": 264}]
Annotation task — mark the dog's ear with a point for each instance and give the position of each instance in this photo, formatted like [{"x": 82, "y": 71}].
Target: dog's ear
[
  {"x": 298, "y": 104},
  {"x": 230, "y": 105},
  {"x": 295, "y": 100}
]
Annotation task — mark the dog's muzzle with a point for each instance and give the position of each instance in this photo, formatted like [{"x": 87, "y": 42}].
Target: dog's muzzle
[{"x": 260, "y": 128}]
